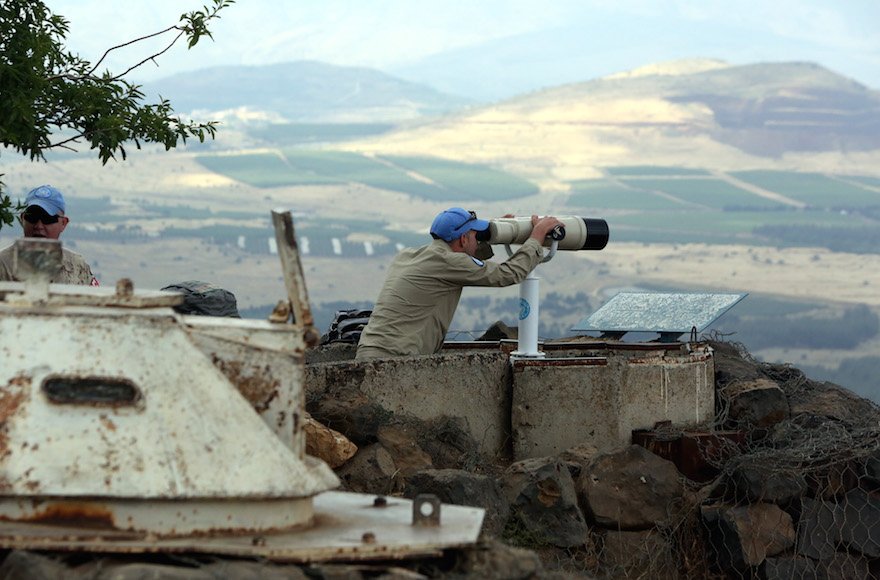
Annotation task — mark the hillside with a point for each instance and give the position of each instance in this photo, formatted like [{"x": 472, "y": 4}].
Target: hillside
[
  {"x": 303, "y": 91},
  {"x": 690, "y": 208},
  {"x": 726, "y": 117}
]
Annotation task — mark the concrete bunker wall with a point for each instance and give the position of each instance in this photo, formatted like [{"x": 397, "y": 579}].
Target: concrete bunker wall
[{"x": 582, "y": 393}]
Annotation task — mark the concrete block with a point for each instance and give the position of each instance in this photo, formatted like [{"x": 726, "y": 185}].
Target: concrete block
[
  {"x": 559, "y": 403},
  {"x": 472, "y": 385}
]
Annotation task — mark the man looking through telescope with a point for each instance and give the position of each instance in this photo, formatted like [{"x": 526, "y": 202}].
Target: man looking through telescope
[{"x": 423, "y": 285}]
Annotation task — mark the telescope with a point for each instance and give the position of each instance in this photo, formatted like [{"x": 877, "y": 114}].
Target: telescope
[{"x": 576, "y": 233}]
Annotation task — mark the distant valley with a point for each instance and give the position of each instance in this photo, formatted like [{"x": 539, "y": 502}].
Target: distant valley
[{"x": 762, "y": 179}]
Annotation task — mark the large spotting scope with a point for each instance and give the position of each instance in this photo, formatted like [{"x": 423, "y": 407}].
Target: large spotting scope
[{"x": 578, "y": 233}]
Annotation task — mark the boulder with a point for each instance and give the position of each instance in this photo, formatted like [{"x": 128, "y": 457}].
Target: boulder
[
  {"x": 744, "y": 536},
  {"x": 757, "y": 404},
  {"x": 860, "y": 522},
  {"x": 835, "y": 478},
  {"x": 499, "y": 331},
  {"x": 829, "y": 401},
  {"x": 789, "y": 567},
  {"x": 578, "y": 456},
  {"x": 629, "y": 489},
  {"x": 323, "y": 571},
  {"x": 494, "y": 560},
  {"x": 872, "y": 468},
  {"x": 327, "y": 444},
  {"x": 818, "y": 529},
  {"x": 458, "y": 487},
  {"x": 371, "y": 470},
  {"x": 543, "y": 501},
  {"x": 843, "y": 566},
  {"x": 239, "y": 570},
  {"x": 349, "y": 411},
  {"x": 400, "y": 441},
  {"x": 756, "y": 483},
  {"x": 641, "y": 554},
  {"x": 449, "y": 442},
  {"x": 20, "y": 565}
]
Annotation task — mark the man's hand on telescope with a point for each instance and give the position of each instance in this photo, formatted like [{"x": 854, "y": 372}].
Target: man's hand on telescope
[{"x": 541, "y": 227}]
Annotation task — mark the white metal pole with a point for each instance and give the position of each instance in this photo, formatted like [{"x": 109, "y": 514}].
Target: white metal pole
[{"x": 527, "y": 343}]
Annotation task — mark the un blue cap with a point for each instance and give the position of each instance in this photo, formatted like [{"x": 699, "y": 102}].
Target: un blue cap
[
  {"x": 48, "y": 198},
  {"x": 452, "y": 223}
]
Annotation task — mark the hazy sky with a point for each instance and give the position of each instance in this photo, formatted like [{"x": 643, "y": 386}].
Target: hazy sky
[{"x": 843, "y": 35}]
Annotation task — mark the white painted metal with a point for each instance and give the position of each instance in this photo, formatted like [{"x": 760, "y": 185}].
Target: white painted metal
[
  {"x": 529, "y": 305},
  {"x": 347, "y": 526},
  {"x": 189, "y": 434}
]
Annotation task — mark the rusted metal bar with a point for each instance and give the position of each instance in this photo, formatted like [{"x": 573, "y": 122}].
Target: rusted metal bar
[{"x": 294, "y": 278}]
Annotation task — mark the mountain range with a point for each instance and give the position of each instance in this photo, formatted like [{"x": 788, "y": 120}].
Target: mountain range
[{"x": 702, "y": 106}]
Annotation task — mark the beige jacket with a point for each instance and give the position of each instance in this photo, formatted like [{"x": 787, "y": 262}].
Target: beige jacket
[
  {"x": 421, "y": 291},
  {"x": 74, "y": 268}
]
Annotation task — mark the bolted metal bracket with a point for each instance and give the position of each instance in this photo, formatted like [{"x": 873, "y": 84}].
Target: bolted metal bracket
[{"x": 426, "y": 510}]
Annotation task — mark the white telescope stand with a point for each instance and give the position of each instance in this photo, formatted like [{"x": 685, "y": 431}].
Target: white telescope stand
[{"x": 529, "y": 306}]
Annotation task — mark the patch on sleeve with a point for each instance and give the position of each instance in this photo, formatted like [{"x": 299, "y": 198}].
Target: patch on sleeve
[{"x": 477, "y": 262}]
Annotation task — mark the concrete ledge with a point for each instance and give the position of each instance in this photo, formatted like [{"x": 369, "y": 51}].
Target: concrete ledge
[
  {"x": 472, "y": 385},
  {"x": 559, "y": 403},
  {"x": 593, "y": 393}
]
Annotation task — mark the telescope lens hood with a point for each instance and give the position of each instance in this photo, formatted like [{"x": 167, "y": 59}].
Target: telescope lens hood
[{"x": 597, "y": 234}]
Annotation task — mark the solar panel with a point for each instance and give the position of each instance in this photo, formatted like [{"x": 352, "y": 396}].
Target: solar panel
[{"x": 669, "y": 313}]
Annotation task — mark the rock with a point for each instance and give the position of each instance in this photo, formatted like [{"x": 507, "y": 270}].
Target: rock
[
  {"x": 500, "y": 331},
  {"x": 350, "y": 412},
  {"x": 744, "y": 536},
  {"x": 832, "y": 402},
  {"x": 493, "y": 560},
  {"x": 834, "y": 479},
  {"x": 755, "y": 484},
  {"x": 872, "y": 468},
  {"x": 542, "y": 499},
  {"x": 629, "y": 489},
  {"x": 449, "y": 442},
  {"x": 757, "y": 404},
  {"x": 333, "y": 572},
  {"x": 400, "y": 441},
  {"x": 643, "y": 554},
  {"x": 238, "y": 570},
  {"x": 731, "y": 366},
  {"x": 327, "y": 444},
  {"x": 458, "y": 487},
  {"x": 371, "y": 470},
  {"x": 818, "y": 530},
  {"x": 842, "y": 566},
  {"x": 142, "y": 571},
  {"x": 791, "y": 567},
  {"x": 576, "y": 457},
  {"x": 20, "y": 565},
  {"x": 860, "y": 522},
  {"x": 580, "y": 454}
]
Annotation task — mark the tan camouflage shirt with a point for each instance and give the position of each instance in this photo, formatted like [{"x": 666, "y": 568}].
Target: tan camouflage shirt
[
  {"x": 74, "y": 268},
  {"x": 421, "y": 291}
]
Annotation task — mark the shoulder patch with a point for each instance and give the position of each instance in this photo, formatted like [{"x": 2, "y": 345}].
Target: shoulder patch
[{"x": 477, "y": 262}]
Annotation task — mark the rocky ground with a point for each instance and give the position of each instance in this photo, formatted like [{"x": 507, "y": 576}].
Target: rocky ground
[{"x": 784, "y": 484}]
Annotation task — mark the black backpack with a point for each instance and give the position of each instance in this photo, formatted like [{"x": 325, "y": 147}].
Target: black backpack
[
  {"x": 204, "y": 298},
  {"x": 347, "y": 326}
]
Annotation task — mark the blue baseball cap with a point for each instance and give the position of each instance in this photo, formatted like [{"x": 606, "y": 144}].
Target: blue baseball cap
[
  {"x": 452, "y": 223},
  {"x": 48, "y": 198}
]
